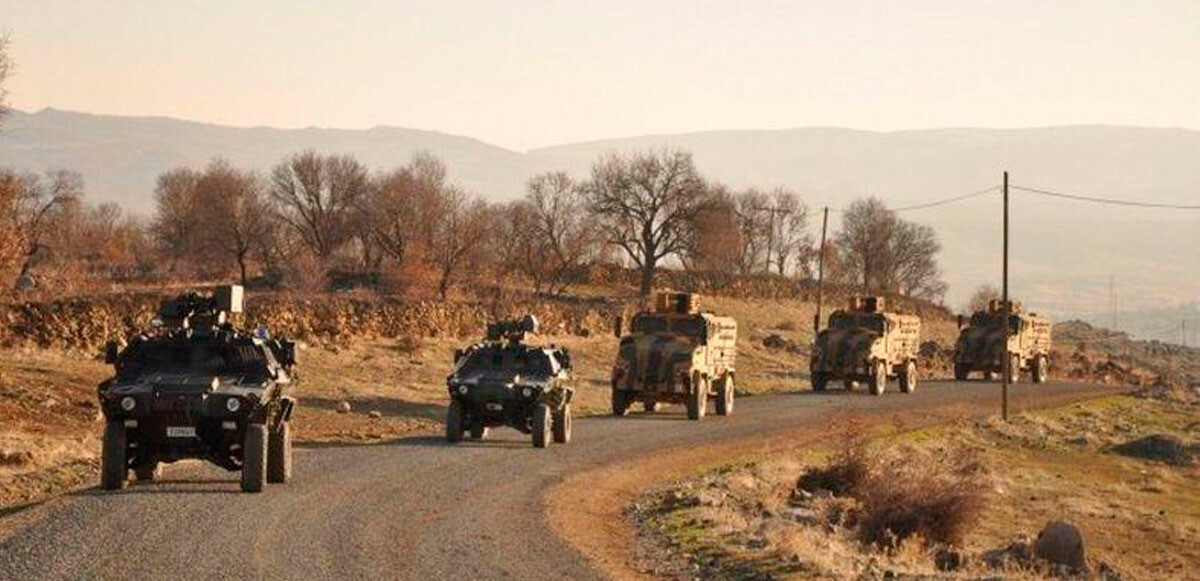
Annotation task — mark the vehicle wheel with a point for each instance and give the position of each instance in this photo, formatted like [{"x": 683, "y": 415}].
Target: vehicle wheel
[
  {"x": 1041, "y": 369},
  {"x": 879, "y": 378},
  {"x": 279, "y": 453},
  {"x": 620, "y": 402},
  {"x": 908, "y": 378},
  {"x": 1014, "y": 369},
  {"x": 479, "y": 431},
  {"x": 961, "y": 372},
  {"x": 148, "y": 472},
  {"x": 113, "y": 465},
  {"x": 849, "y": 384},
  {"x": 541, "y": 426},
  {"x": 818, "y": 380},
  {"x": 254, "y": 458},
  {"x": 454, "y": 422},
  {"x": 725, "y": 396},
  {"x": 698, "y": 400},
  {"x": 562, "y": 424},
  {"x": 651, "y": 406},
  {"x": 993, "y": 376}
]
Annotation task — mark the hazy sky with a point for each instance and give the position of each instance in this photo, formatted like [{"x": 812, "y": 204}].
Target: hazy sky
[{"x": 525, "y": 73}]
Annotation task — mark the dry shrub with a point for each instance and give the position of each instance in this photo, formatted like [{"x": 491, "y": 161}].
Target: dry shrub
[
  {"x": 305, "y": 273},
  {"x": 903, "y": 493},
  {"x": 937, "y": 498}
]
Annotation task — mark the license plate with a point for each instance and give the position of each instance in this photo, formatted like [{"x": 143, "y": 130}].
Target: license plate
[
  {"x": 494, "y": 407},
  {"x": 181, "y": 432}
]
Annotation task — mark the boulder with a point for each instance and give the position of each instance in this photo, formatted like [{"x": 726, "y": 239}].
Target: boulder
[
  {"x": 343, "y": 407},
  {"x": 1061, "y": 543},
  {"x": 1159, "y": 447}
]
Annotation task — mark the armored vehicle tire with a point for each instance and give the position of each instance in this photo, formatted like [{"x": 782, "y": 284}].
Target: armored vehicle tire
[
  {"x": 725, "y": 396},
  {"x": 541, "y": 426},
  {"x": 254, "y": 458},
  {"x": 479, "y": 431},
  {"x": 879, "y": 378},
  {"x": 562, "y": 424},
  {"x": 454, "y": 422},
  {"x": 279, "y": 453},
  {"x": 1041, "y": 369},
  {"x": 148, "y": 472},
  {"x": 908, "y": 378},
  {"x": 651, "y": 406},
  {"x": 697, "y": 403},
  {"x": 620, "y": 402},
  {"x": 961, "y": 372},
  {"x": 113, "y": 464},
  {"x": 818, "y": 380}
]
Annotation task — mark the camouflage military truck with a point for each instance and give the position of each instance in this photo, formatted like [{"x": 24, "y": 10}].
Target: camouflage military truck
[
  {"x": 502, "y": 381},
  {"x": 193, "y": 386},
  {"x": 981, "y": 343},
  {"x": 865, "y": 343},
  {"x": 675, "y": 354}
]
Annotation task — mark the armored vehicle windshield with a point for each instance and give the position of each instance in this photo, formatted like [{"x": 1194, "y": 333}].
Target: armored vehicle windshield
[
  {"x": 995, "y": 321},
  {"x": 653, "y": 325},
  {"x": 208, "y": 356},
  {"x": 849, "y": 321},
  {"x": 511, "y": 360}
]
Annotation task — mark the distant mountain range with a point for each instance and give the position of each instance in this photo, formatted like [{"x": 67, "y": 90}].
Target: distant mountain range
[{"x": 1063, "y": 252}]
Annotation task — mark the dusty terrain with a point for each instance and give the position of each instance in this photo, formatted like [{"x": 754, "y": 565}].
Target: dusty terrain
[
  {"x": 1139, "y": 512},
  {"x": 388, "y": 360}
]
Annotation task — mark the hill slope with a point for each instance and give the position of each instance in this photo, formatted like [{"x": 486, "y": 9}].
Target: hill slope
[{"x": 1063, "y": 252}]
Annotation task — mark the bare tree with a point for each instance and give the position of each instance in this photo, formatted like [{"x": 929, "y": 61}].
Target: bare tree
[
  {"x": 174, "y": 228},
  {"x": 6, "y": 67},
  {"x": 232, "y": 213},
  {"x": 888, "y": 254},
  {"x": 32, "y": 203},
  {"x": 716, "y": 243},
  {"x": 561, "y": 227},
  {"x": 404, "y": 204},
  {"x": 645, "y": 204},
  {"x": 789, "y": 240},
  {"x": 983, "y": 295},
  {"x": 458, "y": 238},
  {"x": 316, "y": 195}
]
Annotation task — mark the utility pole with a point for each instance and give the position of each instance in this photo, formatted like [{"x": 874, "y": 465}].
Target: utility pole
[
  {"x": 1006, "y": 365},
  {"x": 821, "y": 273},
  {"x": 1183, "y": 331},
  {"x": 1112, "y": 302}
]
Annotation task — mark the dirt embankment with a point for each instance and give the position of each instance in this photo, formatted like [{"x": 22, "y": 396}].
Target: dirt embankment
[{"x": 85, "y": 324}]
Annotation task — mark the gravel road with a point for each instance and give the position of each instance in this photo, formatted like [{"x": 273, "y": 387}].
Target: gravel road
[{"x": 418, "y": 508}]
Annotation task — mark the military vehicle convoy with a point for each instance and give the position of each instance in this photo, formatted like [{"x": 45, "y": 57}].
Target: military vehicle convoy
[
  {"x": 981, "y": 343},
  {"x": 193, "y": 386},
  {"x": 674, "y": 353},
  {"x": 502, "y": 381},
  {"x": 865, "y": 343}
]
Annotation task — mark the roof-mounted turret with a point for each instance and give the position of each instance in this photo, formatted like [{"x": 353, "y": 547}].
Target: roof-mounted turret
[
  {"x": 512, "y": 330},
  {"x": 674, "y": 302},
  {"x": 201, "y": 311},
  {"x": 997, "y": 306},
  {"x": 867, "y": 304}
]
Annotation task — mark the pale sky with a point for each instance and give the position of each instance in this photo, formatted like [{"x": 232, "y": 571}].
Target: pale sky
[{"x": 528, "y": 73}]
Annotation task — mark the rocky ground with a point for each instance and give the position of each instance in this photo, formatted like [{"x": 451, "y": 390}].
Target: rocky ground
[{"x": 1124, "y": 470}]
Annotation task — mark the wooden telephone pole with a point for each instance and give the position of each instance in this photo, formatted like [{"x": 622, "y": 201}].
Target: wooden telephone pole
[
  {"x": 1006, "y": 365},
  {"x": 821, "y": 273}
]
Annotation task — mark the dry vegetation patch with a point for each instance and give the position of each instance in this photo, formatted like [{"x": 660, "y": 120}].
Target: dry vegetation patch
[{"x": 955, "y": 502}]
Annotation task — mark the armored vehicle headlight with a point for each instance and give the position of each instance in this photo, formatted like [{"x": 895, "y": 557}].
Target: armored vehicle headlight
[
  {"x": 233, "y": 404},
  {"x": 462, "y": 389},
  {"x": 527, "y": 391},
  {"x": 128, "y": 403}
]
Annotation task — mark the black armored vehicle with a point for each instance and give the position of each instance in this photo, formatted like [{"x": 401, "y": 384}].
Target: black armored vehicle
[
  {"x": 193, "y": 386},
  {"x": 501, "y": 381}
]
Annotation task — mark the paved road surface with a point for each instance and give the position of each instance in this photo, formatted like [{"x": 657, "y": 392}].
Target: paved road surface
[{"x": 416, "y": 509}]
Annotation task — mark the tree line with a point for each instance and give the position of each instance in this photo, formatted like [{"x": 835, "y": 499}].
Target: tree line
[{"x": 316, "y": 219}]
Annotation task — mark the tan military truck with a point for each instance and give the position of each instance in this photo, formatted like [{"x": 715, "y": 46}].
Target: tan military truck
[
  {"x": 674, "y": 353},
  {"x": 981, "y": 343},
  {"x": 865, "y": 343}
]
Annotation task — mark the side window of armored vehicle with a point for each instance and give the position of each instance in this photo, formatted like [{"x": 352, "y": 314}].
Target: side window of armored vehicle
[
  {"x": 692, "y": 327},
  {"x": 649, "y": 325},
  {"x": 246, "y": 359}
]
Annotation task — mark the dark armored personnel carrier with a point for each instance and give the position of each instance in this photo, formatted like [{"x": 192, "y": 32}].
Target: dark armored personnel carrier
[
  {"x": 193, "y": 386},
  {"x": 502, "y": 381}
]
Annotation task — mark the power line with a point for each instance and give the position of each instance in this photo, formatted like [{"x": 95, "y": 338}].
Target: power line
[
  {"x": 1111, "y": 201},
  {"x": 945, "y": 201}
]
